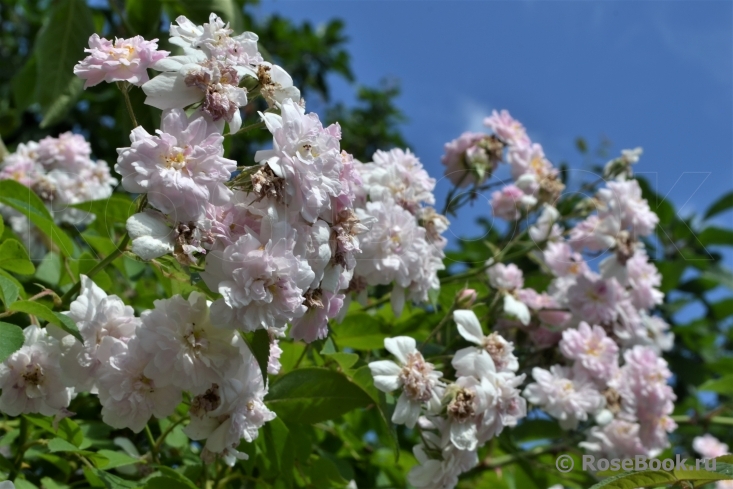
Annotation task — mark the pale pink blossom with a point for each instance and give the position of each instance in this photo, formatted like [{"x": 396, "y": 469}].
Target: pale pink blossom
[
  {"x": 262, "y": 282},
  {"x": 418, "y": 380},
  {"x": 509, "y": 202},
  {"x": 592, "y": 349},
  {"x": 129, "y": 398},
  {"x": 594, "y": 299},
  {"x": 122, "y": 60},
  {"x": 565, "y": 394},
  {"x": 398, "y": 175},
  {"x": 32, "y": 380},
  {"x": 313, "y": 324},
  {"x": 506, "y": 277},
  {"x": 182, "y": 168},
  {"x": 709, "y": 447},
  {"x": 462, "y": 157},
  {"x": 507, "y": 128},
  {"x": 186, "y": 349},
  {"x": 307, "y": 156},
  {"x": 104, "y": 321}
]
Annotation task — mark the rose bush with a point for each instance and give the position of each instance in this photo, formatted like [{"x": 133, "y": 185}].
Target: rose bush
[{"x": 291, "y": 318}]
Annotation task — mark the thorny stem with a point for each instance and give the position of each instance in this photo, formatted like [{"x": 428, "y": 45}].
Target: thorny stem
[{"x": 99, "y": 267}]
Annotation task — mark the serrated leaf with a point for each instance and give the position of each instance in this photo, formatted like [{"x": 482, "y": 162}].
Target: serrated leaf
[
  {"x": 14, "y": 258},
  {"x": 42, "y": 312},
  {"x": 25, "y": 201},
  {"x": 60, "y": 45},
  {"x": 700, "y": 475},
  {"x": 8, "y": 291},
  {"x": 11, "y": 340},
  {"x": 311, "y": 395}
]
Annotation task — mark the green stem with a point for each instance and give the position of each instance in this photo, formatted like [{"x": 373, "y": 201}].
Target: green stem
[
  {"x": 124, "y": 88},
  {"x": 256, "y": 125},
  {"x": 439, "y": 325},
  {"x": 99, "y": 267},
  {"x": 165, "y": 433},
  {"x": 153, "y": 445},
  {"x": 722, "y": 420}
]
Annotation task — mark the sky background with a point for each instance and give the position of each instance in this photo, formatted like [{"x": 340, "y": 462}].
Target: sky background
[{"x": 656, "y": 74}]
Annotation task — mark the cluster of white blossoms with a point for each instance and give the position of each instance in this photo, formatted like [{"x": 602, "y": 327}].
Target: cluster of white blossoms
[
  {"x": 404, "y": 246},
  {"x": 612, "y": 383},
  {"x": 455, "y": 418},
  {"x": 61, "y": 171},
  {"x": 140, "y": 367},
  {"x": 279, "y": 242}
]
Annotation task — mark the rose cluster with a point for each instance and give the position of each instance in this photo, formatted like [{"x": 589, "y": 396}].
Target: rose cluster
[
  {"x": 607, "y": 378},
  {"x": 281, "y": 242},
  {"x": 62, "y": 173}
]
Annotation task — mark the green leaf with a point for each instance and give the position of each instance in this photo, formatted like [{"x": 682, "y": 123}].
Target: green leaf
[
  {"x": 14, "y": 258},
  {"x": 110, "y": 481},
  {"x": 700, "y": 475},
  {"x": 259, "y": 344},
  {"x": 11, "y": 340},
  {"x": 116, "y": 459},
  {"x": 23, "y": 84},
  {"x": 359, "y": 332},
  {"x": 721, "y": 205},
  {"x": 24, "y": 484},
  {"x": 67, "y": 428},
  {"x": 60, "y": 45},
  {"x": 363, "y": 377},
  {"x": 61, "y": 445},
  {"x": 115, "y": 209},
  {"x": 177, "y": 476},
  {"x": 324, "y": 473},
  {"x": 24, "y": 200},
  {"x": 311, "y": 395},
  {"x": 712, "y": 236},
  {"x": 723, "y": 385},
  {"x": 57, "y": 110},
  {"x": 144, "y": 16},
  {"x": 39, "y": 310},
  {"x": 636, "y": 480},
  {"x": 8, "y": 291},
  {"x": 2, "y": 223},
  {"x": 163, "y": 482},
  {"x": 345, "y": 360}
]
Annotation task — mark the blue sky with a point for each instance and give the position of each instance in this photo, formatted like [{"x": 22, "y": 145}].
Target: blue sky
[{"x": 656, "y": 74}]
